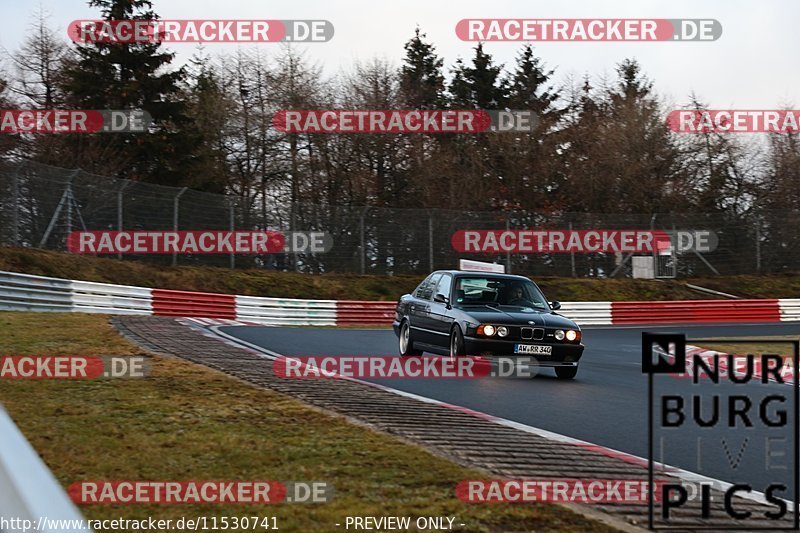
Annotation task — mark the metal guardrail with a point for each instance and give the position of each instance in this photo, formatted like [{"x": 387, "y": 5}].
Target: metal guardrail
[
  {"x": 286, "y": 311},
  {"x": 92, "y": 297},
  {"x": 185, "y": 303},
  {"x": 587, "y": 313},
  {"x": 28, "y": 490},
  {"x": 696, "y": 311},
  {"x": 24, "y": 292},
  {"x": 789, "y": 309}
]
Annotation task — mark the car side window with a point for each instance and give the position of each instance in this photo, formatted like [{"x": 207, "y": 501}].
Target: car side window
[
  {"x": 421, "y": 287},
  {"x": 426, "y": 289},
  {"x": 443, "y": 287}
]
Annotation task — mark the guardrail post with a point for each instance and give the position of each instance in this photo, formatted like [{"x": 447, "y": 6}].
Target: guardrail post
[{"x": 175, "y": 206}]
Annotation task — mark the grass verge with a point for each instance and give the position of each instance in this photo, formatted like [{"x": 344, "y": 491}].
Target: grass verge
[
  {"x": 187, "y": 422},
  {"x": 750, "y": 345}
]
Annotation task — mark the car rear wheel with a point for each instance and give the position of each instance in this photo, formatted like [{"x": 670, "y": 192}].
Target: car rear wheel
[
  {"x": 456, "y": 342},
  {"x": 566, "y": 372},
  {"x": 406, "y": 341}
]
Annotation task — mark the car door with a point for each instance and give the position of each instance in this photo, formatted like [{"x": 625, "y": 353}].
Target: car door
[
  {"x": 440, "y": 316},
  {"x": 419, "y": 311}
]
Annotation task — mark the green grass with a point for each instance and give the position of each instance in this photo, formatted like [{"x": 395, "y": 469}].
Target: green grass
[
  {"x": 187, "y": 422},
  {"x": 751, "y": 345}
]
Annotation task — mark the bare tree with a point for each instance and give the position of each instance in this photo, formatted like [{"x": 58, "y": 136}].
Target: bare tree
[{"x": 38, "y": 65}]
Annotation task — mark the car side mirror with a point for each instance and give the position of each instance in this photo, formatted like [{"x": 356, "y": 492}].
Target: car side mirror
[
  {"x": 555, "y": 306},
  {"x": 441, "y": 298}
]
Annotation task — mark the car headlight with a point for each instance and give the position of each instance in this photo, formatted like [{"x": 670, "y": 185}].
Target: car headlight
[
  {"x": 487, "y": 330},
  {"x": 502, "y": 331},
  {"x": 559, "y": 334},
  {"x": 572, "y": 335}
]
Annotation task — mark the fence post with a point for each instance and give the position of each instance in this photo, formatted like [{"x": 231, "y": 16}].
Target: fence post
[
  {"x": 572, "y": 255},
  {"x": 674, "y": 253},
  {"x": 15, "y": 219},
  {"x": 758, "y": 246},
  {"x": 430, "y": 240},
  {"x": 508, "y": 253},
  {"x": 655, "y": 248},
  {"x": 363, "y": 245},
  {"x": 175, "y": 207},
  {"x": 119, "y": 209},
  {"x": 292, "y": 219},
  {"x": 69, "y": 207},
  {"x": 232, "y": 228},
  {"x": 66, "y": 199}
]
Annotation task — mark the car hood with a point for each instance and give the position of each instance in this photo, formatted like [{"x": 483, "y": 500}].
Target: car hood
[{"x": 523, "y": 316}]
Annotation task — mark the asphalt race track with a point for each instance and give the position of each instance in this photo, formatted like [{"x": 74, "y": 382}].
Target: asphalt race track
[{"x": 605, "y": 405}]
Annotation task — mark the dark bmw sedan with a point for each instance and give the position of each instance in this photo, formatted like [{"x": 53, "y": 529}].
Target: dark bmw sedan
[{"x": 454, "y": 312}]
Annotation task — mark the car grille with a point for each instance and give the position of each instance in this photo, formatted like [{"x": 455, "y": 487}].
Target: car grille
[{"x": 535, "y": 334}]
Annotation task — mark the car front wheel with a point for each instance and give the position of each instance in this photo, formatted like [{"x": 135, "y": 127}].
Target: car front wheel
[
  {"x": 566, "y": 372},
  {"x": 456, "y": 342},
  {"x": 407, "y": 342}
]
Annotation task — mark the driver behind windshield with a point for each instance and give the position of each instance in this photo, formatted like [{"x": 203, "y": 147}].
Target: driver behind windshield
[{"x": 516, "y": 296}]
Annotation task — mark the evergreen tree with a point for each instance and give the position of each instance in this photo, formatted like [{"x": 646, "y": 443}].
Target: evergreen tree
[
  {"x": 479, "y": 86},
  {"x": 526, "y": 160},
  {"x": 421, "y": 78},
  {"x": 210, "y": 109},
  {"x": 527, "y": 84},
  {"x": 113, "y": 75}
]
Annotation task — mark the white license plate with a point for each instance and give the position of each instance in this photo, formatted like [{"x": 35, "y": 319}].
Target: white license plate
[{"x": 533, "y": 349}]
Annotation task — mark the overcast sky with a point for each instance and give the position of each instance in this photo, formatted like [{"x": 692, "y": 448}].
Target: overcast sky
[{"x": 752, "y": 66}]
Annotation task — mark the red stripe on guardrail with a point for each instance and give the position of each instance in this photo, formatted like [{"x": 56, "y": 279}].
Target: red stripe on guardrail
[
  {"x": 354, "y": 313},
  {"x": 193, "y": 304},
  {"x": 695, "y": 311}
]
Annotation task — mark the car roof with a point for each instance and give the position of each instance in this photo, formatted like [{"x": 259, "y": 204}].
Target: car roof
[{"x": 477, "y": 272}]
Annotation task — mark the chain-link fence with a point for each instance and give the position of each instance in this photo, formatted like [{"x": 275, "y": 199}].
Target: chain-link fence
[{"x": 41, "y": 205}]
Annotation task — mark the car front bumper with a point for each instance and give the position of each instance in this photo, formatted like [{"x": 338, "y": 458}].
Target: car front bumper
[{"x": 562, "y": 355}]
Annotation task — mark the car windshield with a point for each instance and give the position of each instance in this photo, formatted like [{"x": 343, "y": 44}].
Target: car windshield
[{"x": 512, "y": 292}]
